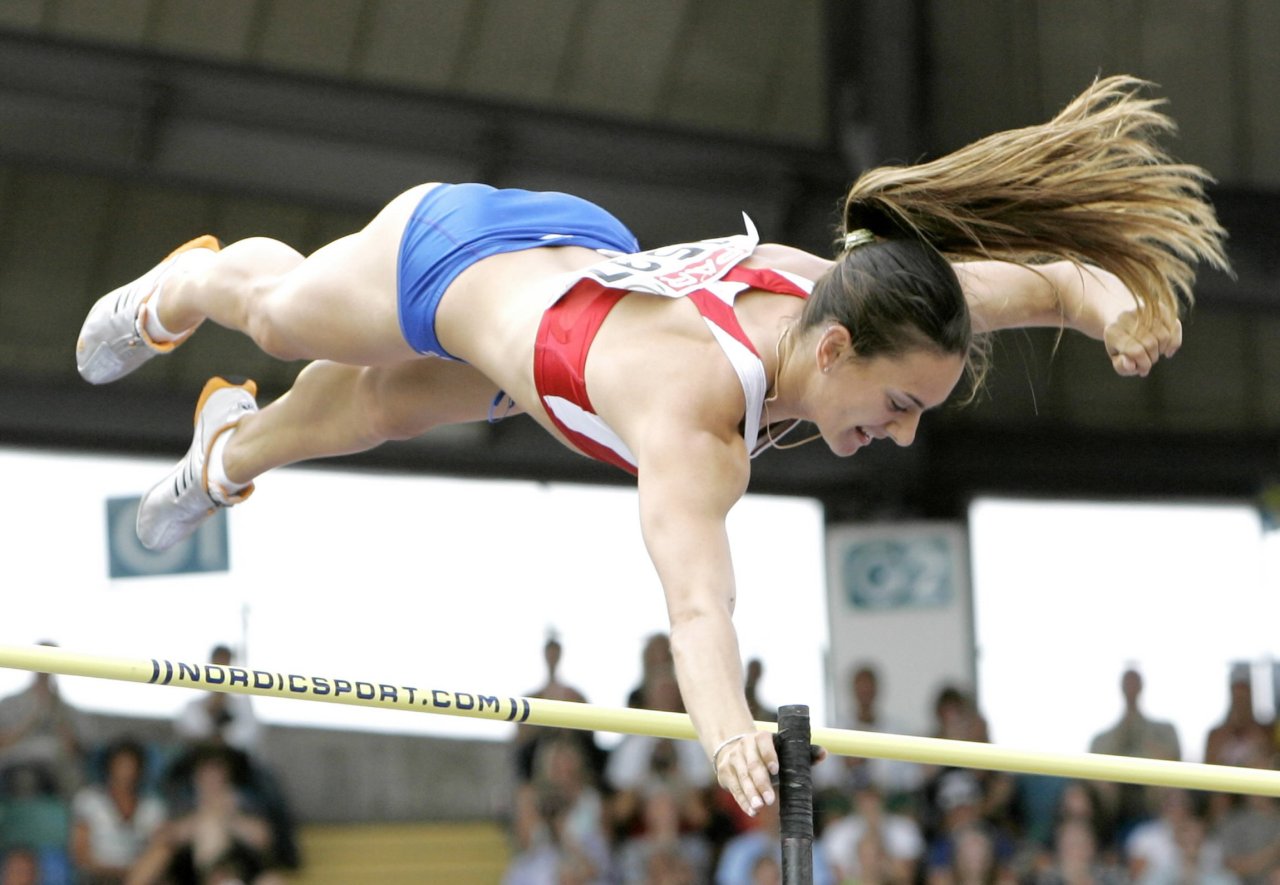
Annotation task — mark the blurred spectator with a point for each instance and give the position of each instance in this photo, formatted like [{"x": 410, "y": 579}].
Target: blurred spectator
[
  {"x": 957, "y": 717},
  {"x": 535, "y": 856},
  {"x": 641, "y": 763},
  {"x": 218, "y": 717},
  {"x": 899, "y": 782},
  {"x": 766, "y": 871},
  {"x": 227, "y": 719},
  {"x": 562, "y": 769},
  {"x": 221, "y": 839},
  {"x": 897, "y": 837},
  {"x": 639, "y": 759},
  {"x": 1076, "y": 861},
  {"x": 668, "y": 866},
  {"x": 1193, "y": 863},
  {"x": 760, "y": 711},
  {"x": 958, "y": 799},
  {"x": 875, "y": 867},
  {"x": 1240, "y": 739},
  {"x": 559, "y": 823},
  {"x": 1037, "y": 802},
  {"x": 655, "y": 661},
  {"x": 1081, "y": 802},
  {"x": 39, "y": 825},
  {"x": 662, "y": 843},
  {"x": 743, "y": 852},
  {"x": 559, "y": 818},
  {"x": 553, "y": 689},
  {"x": 972, "y": 860},
  {"x": 1134, "y": 735},
  {"x": 113, "y": 822},
  {"x": 1153, "y": 844},
  {"x": 1250, "y": 837},
  {"x": 42, "y": 740},
  {"x": 20, "y": 866},
  {"x": 529, "y": 737}
]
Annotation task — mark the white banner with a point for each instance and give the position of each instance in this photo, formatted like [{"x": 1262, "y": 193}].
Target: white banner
[{"x": 899, "y": 599}]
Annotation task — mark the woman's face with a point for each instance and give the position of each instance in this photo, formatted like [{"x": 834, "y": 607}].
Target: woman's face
[{"x": 856, "y": 401}]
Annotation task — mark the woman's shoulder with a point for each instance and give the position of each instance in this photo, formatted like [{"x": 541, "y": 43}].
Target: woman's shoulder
[{"x": 789, "y": 259}]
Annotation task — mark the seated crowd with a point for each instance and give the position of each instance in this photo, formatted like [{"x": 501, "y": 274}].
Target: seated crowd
[
  {"x": 196, "y": 807},
  {"x": 649, "y": 811},
  {"x": 199, "y": 807}
]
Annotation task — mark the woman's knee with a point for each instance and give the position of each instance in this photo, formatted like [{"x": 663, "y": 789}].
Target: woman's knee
[
  {"x": 251, "y": 277},
  {"x": 389, "y": 405},
  {"x": 268, "y": 315}
]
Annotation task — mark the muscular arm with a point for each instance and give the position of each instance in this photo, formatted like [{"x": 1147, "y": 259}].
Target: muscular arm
[
  {"x": 689, "y": 479},
  {"x": 1009, "y": 296},
  {"x": 1061, "y": 294}
]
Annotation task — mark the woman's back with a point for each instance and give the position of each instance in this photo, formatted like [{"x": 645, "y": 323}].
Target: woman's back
[{"x": 650, "y": 351}]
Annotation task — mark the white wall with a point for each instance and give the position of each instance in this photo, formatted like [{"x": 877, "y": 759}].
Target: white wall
[
  {"x": 448, "y": 583},
  {"x": 1068, "y": 594},
  {"x": 899, "y": 599}
]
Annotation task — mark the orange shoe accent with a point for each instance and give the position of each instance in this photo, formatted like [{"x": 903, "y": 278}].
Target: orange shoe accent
[
  {"x": 217, "y": 383},
  {"x": 204, "y": 241}
]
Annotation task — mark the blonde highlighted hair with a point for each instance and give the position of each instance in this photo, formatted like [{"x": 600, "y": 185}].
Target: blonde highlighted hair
[{"x": 1090, "y": 186}]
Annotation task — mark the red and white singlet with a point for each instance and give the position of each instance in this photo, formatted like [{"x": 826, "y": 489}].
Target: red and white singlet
[{"x": 708, "y": 273}]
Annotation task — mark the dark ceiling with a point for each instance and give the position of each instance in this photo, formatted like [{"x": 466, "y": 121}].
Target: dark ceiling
[{"x": 127, "y": 125}]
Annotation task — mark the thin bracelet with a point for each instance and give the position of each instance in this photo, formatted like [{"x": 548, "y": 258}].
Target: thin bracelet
[{"x": 715, "y": 757}]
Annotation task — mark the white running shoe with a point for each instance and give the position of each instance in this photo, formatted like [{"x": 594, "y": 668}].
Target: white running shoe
[
  {"x": 175, "y": 507},
  {"x": 113, "y": 340}
]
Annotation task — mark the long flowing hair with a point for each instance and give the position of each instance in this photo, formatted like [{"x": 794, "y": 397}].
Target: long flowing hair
[{"x": 1092, "y": 186}]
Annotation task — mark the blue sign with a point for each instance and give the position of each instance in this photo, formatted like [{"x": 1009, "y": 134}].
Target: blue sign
[
  {"x": 898, "y": 573},
  {"x": 204, "y": 551}
]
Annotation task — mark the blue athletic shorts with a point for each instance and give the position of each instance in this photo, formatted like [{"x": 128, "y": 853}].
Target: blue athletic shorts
[{"x": 456, "y": 225}]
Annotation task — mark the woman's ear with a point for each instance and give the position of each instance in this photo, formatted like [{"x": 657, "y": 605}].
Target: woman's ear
[{"x": 835, "y": 344}]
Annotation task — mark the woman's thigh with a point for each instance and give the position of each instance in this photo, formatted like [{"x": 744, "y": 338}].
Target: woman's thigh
[
  {"x": 411, "y": 397},
  {"x": 341, "y": 302}
]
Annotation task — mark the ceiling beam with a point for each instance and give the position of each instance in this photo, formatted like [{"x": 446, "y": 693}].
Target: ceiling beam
[{"x": 155, "y": 119}]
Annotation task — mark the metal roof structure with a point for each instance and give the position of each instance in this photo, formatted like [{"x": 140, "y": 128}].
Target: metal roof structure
[{"x": 127, "y": 125}]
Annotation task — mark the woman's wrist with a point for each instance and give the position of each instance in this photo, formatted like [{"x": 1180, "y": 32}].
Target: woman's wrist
[
  {"x": 726, "y": 744},
  {"x": 1094, "y": 299}
]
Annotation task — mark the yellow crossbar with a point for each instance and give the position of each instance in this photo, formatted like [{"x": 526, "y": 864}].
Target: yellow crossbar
[{"x": 563, "y": 714}]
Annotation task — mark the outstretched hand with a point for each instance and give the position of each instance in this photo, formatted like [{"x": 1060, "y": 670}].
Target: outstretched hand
[
  {"x": 1135, "y": 345},
  {"x": 746, "y": 768},
  {"x": 742, "y": 776}
]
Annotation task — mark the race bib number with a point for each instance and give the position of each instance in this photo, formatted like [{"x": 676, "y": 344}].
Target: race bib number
[{"x": 675, "y": 270}]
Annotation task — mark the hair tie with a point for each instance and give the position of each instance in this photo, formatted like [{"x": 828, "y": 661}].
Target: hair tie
[{"x": 855, "y": 238}]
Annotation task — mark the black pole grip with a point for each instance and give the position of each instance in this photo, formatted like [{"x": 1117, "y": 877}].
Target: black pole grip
[{"x": 795, "y": 795}]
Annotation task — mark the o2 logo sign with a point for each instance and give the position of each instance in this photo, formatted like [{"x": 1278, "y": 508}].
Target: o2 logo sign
[
  {"x": 898, "y": 574},
  {"x": 204, "y": 551}
]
